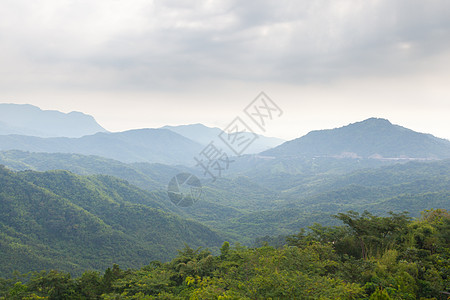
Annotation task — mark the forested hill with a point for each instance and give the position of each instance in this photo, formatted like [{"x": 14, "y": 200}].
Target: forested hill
[
  {"x": 60, "y": 220},
  {"x": 144, "y": 175},
  {"x": 372, "y": 138}
]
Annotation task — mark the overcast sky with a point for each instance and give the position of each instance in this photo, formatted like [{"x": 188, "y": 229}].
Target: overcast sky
[{"x": 134, "y": 64}]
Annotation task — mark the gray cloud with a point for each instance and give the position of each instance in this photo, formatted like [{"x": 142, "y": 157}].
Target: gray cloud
[{"x": 148, "y": 44}]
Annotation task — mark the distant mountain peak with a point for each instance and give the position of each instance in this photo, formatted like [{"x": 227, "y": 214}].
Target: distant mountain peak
[
  {"x": 27, "y": 119},
  {"x": 375, "y": 119},
  {"x": 370, "y": 138}
]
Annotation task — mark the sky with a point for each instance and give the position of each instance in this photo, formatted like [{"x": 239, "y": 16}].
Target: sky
[{"x": 146, "y": 64}]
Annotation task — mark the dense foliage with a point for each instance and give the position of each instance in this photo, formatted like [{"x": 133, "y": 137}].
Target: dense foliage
[
  {"x": 369, "y": 257},
  {"x": 271, "y": 197},
  {"x": 61, "y": 220}
]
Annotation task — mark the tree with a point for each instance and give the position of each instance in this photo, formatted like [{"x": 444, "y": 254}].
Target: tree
[{"x": 376, "y": 234}]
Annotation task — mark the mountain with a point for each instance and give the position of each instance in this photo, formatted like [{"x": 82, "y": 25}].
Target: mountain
[
  {"x": 61, "y": 220},
  {"x": 372, "y": 138},
  {"x": 205, "y": 135},
  {"x": 142, "y": 145},
  {"x": 25, "y": 119}
]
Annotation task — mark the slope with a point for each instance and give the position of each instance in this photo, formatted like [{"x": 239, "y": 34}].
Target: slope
[{"x": 60, "y": 220}]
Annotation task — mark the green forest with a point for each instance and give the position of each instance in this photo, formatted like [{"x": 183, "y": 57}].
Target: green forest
[
  {"x": 366, "y": 257},
  {"x": 59, "y": 220}
]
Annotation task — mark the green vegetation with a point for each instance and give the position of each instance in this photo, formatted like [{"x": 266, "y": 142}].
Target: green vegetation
[
  {"x": 271, "y": 199},
  {"x": 369, "y": 257},
  {"x": 61, "y": 220},
  {"x": 301, "y": 200},
  {"x": 150, "y": 179}
]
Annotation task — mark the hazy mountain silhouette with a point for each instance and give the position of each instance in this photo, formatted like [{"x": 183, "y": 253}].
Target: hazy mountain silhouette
[
  {"x": 204, "y": 135},
  {"x": 372, "y": 138},
  {"x": 27, "y": 119},
  {"x": 142, "y": 145}
]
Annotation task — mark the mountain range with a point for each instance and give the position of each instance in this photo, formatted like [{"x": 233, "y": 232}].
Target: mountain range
[
  {"x": 28, "y": 128},
  {"x": 141, "y": 145},
  {"x": 375, "y": 139}
]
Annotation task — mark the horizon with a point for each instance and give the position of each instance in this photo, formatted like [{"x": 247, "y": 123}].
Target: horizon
[
  {"x": 150, "y": 63},
  {"x": 216, "y": 127}
]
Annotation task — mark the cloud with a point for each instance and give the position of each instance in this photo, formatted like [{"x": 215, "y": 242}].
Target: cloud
[{"x": 149, "y": 44}]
